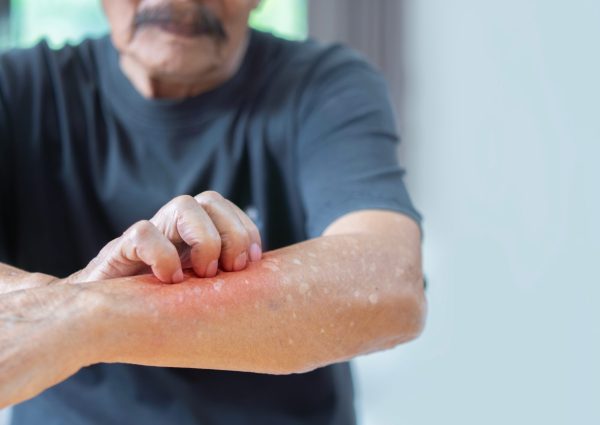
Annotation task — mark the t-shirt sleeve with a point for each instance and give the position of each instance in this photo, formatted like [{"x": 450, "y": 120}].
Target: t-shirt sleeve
[{"x": 348, "y": 146}]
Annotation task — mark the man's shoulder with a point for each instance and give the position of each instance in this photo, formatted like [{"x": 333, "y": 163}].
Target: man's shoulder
[
  {"x": 300, "y": 71},
  {"x": 306, "y": 58},
  {"x": 40, "y": 67}
]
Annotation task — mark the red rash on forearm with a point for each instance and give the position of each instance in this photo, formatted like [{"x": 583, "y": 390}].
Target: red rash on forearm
[{"x": 301, "y": 307}]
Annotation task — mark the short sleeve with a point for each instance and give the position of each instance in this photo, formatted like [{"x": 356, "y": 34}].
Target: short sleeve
[{"x": 348, "y": 145}]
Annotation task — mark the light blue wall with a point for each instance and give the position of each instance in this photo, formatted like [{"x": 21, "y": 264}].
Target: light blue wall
[{"x": 502, "y": 126}]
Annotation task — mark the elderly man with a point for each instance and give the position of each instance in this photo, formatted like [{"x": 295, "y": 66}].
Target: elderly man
[{"x": 179, "y": 317}]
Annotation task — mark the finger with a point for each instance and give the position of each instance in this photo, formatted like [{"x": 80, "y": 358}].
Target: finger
[
  {"x": 235, "y": 241},
  {"x": 255, "y": 250},
  {"x": 144, "y": 243},
  {"x": 183, "y": 220}
]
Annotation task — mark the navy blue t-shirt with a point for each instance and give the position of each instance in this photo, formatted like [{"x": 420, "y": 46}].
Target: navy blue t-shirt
[{"x": 301, "y": 135}]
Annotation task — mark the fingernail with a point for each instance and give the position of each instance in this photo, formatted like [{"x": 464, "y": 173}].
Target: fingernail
[
  {"x": 211, "y": 270},
  {"x": 178, "y": 276},
  {"x": 255, "y": 252},
  {"x": 240, "y": 262}
]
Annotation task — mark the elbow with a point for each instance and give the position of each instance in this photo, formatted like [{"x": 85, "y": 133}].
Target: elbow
[
  {"x": 408, "y": 314},
  {"x": 402, "y": 319}
]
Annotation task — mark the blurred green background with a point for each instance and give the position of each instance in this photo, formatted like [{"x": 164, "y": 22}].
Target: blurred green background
[{"x": 63, "y": 21}]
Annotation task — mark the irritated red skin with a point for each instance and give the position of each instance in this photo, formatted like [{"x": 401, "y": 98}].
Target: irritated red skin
[
  {"x": 299, "y": 308},
  {"x": 357, "y": 290}
]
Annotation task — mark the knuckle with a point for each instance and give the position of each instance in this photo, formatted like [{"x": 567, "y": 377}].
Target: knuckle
[
  {"x": 140, "y": 230},
  {"x": 182, "y": 202},
  {"x": 209, "y": 196}
]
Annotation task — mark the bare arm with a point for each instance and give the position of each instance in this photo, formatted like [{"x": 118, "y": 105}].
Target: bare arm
[
  {"x": 14, "y": 279},
  {"x": 356, "y": 290},
  {"x": 301, "y": 307}
]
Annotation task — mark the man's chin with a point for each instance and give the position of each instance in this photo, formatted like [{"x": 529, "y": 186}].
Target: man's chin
[{"x": 169, "y": 56}]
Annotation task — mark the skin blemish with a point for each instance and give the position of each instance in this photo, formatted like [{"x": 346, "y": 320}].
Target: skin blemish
[
  {"x": 271, "y": 266},
  {"x": 218, "y": 284},
  {"x": 303, "y": 288},
  {"x": 373, "y": 298}
]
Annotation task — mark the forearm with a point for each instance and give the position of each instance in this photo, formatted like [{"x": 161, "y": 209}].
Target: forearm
[
  {"x": 301, "y": 307},
  {"x": 14, "y": 279}
]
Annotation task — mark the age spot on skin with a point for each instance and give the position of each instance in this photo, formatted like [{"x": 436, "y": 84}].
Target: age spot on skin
[
  {"x": 269, "y": 265},
  {"x": 303, "y": 288},
  {"x": 218, "y": 284}
]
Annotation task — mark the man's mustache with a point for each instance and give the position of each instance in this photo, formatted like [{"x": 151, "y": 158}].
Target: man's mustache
[{"x": 193, "y": 19}]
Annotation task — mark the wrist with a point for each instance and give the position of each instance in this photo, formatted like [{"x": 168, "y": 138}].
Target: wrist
[
  {"x": 38, "y": 280},
  {"x": 14, "y": 279},
  {"x": 105, "y": 312},
  {"x": 83, "y": 321}
]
